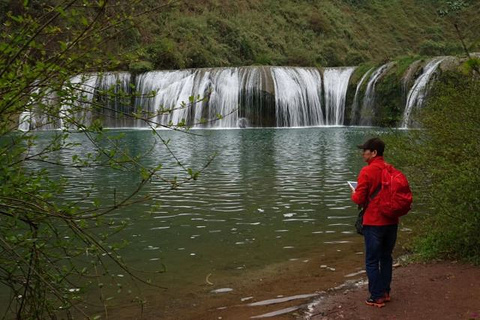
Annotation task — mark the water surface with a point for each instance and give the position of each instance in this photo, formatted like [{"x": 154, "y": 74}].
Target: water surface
[{"x": 270, "y": 196}]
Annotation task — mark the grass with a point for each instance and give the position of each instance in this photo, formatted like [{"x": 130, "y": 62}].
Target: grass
[{"x": 208, "y": 33}]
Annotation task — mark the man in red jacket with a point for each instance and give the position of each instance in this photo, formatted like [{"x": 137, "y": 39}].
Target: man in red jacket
[{"x": 379, "y": 231}]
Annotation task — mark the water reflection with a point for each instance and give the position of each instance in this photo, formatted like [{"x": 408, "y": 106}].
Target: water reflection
[{"x": 270, "y": 195}]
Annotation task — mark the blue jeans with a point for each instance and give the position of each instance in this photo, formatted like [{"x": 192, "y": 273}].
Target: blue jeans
[{"x": 379, "y": 244}]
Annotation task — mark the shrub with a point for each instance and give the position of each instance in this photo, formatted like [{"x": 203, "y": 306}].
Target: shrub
[
  {"x": 263, "y": 59},
  {"x": 331, "y": 54},
  {"x": 319, "y": 23},
  {"x": 165, "y": 55},
  {"x": 301, "y": 58},
  {"x": 140, "y": 66},
  {"x": 442, "y": 160},
  {"x": 355, "y": 58},
  {"x": 432, "y": 48}
]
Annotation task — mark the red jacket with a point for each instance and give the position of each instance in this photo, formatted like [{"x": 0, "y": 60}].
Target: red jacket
[{"x": 368, "y": 180}]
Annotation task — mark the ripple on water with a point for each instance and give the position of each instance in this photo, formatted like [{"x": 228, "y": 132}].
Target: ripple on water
[
  {"x": 249, "y": 223},
  {"x": 281, "y": 300},
  {"x": 276, "y": 313},
  {"x": 340, "y": 208},
  {"x": 225, "y": 210},
  {"x": 340, "y": 217},
  {"x": 160, "y": 228},
  {"x": 176, "y": 215},
  {"x": 248, "y": 191},
  {"x": 338, "y": 242},
  {"x": 222, "y": 290}
]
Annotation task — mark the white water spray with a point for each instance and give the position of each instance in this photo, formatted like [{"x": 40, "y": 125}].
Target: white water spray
[
  {"x": 355, "y": 104},
  {"x": 336, "y": 84},
  {"x": 297, "y": 97},
  {"x": 240, "y": 97},
  {"x": 366, "y": 113},
  {"x": 417, "y": 94}
]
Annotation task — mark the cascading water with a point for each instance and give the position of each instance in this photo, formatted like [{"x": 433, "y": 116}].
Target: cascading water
[
  {"x": 367, "y": 110},
  {"x": 354, "y": 118},
  {"x": 240, "y": 97},
  {"x": 33, "y": 117},
  {"x": 336, "y": 84},
  {"x": 24, "y": 123},
  {"x": 76, "y": 105},
  {"x": 113, "y": 93},
  {"x": 257, "y": 103},
  {"x": 419, "y": 90},
  {"x": 160, "y": 94},
  {"x": 109, "y": 90},
  {"x": 224, "y": 98},
  {"x": 297, "y": 97},
  {"x": 173, "y": 89},
  {"x": 407, "y": 79}
]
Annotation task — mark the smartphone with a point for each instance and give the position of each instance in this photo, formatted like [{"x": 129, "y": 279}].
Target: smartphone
[{"x": 352, "y": 184}]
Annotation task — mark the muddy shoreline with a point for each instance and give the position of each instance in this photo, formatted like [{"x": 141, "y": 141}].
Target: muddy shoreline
[
  {"x": 283, "y": 289},
  {"x": 329, "y": 285},
  {"x": 279, "y": 291},
  {"x": 436, "y": 290}
]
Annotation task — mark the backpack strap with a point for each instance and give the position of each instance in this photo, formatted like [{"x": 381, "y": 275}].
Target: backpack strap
[
  {"x": 379, "y": 187},
  {"x": 377, "y": 190}
]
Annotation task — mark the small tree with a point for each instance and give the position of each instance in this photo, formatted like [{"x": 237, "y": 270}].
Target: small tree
[
  {"x": 48, "y": 244},
  {"x": 453, "y": 10}
]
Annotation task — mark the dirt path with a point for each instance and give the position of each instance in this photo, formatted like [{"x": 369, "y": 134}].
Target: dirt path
[{"x": 442, "y": 290}]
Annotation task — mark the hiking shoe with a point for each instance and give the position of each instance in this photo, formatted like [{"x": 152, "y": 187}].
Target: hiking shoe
[
  {"x": 375, "y": 302},
  {"x": 386, "y": 297}
]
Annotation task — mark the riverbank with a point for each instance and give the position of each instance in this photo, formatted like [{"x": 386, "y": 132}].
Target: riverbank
[
  {"x": 281, "y": 289},
  {"x": 439, "y": 290},
  {"x": 300, "y": 290}
]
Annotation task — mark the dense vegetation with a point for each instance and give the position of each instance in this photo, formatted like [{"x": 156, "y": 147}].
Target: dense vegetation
[
  {"x": 443, "y": 164},
  {"x": 212, "y": 33},
  {"x": 54, "y": 249}
]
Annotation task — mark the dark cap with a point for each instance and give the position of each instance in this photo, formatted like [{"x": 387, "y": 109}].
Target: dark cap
[{"x": 373, "y": 144}]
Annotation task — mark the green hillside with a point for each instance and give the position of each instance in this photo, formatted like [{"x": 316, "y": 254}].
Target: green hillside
[{"x": 214, "y": 33}]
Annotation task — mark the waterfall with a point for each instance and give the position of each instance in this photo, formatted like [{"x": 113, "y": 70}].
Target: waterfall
[
  {"x": 76, "y": 104},
  {"x": 297, "y": 97},
  {"x": 84, "y": 93},
  {"x": 113, "y": 92},
  {"x": 161, "y": 94},
  {"x": 234, "y": 98},
  {"x": 34, "y": 115},
  {"x": 407, "y": 79},
  {"x": 257, "y": 104},
  {"x": 224, "y": 99},
  {"x": 367, "y": 111},
  {"x": 173, "y": 89},
  {"x": 354, "y": 111},
  {"x": 419, "y": 90},
  {"x": 25, "y": 121},
  {"x": 336, "y": 84},
  {"x": 239, "y": 95}
]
